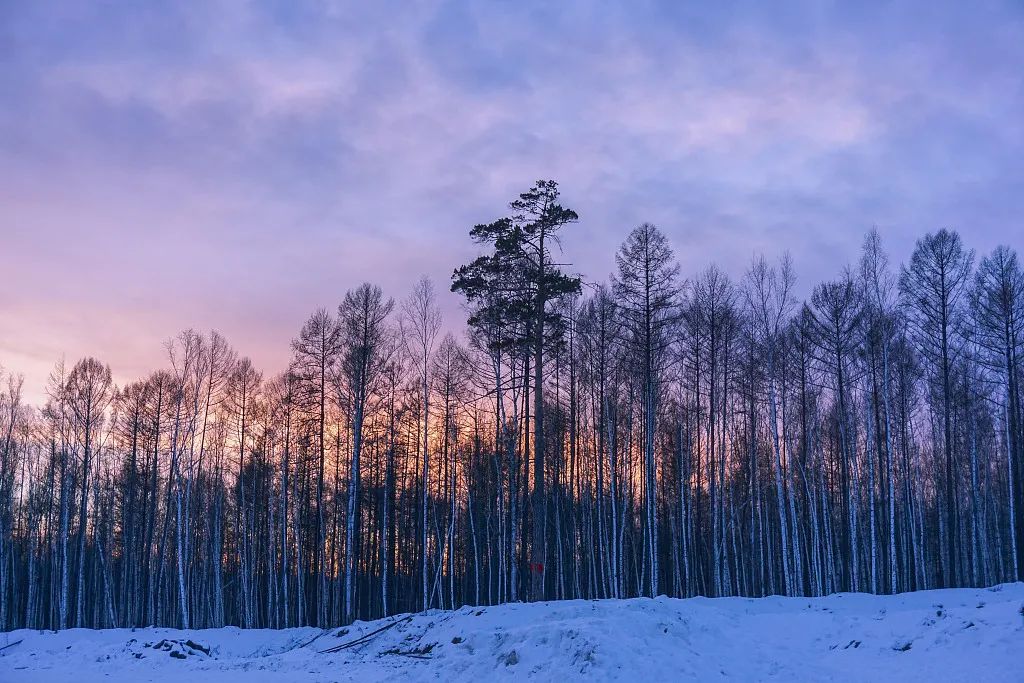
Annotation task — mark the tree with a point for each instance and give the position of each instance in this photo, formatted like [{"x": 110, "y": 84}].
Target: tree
[
  {"x": 362, "y": 315},
  {"x": 713, "y": 308},
  {"x": 933, "y": 286},
  {"x": 836, "y": 313},
  {"x": 316, "y": 353},
  {"x": 997, "y": 305},
  {"x": 881, "y": 320},
  {"x": 600, "y": 330},
  {"x": 90, "y": 389},
  {"x": 770, "y": 302},
  {"x": 419, "y": 324},
  {"x": 243, "y": 390},
  {"x": 707, "y": 440},
  {"x": 521, "y": 267},
  {"x": 11, "y": 419},
  {"x": 646, "y": 288}
]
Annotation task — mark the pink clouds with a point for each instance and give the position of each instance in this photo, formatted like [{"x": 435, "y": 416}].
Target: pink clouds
[{"x": 236, "y": 166}]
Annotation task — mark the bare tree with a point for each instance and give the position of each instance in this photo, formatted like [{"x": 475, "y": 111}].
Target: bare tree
[
  {"x": 89, "y": 388},
  {"x": 419, "y": 323},
  {"x": 997, "y": 304},
  {"x": 317, "y": 351},
  {"x": 770, "y": 302},
  {"x": 716, "y": 439},
  {"x": 933, "y": 286},
  {"x": 362, "y": 316}
]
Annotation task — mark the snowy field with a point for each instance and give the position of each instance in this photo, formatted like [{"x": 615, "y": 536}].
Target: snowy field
[{"x": 942, "y": 635}]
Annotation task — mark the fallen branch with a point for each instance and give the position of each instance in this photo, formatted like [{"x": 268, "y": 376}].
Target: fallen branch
[
  {"x": 309, "y": 642},
  {"x": 363, "y": 639},
  {"x": 10, "y": 645}
]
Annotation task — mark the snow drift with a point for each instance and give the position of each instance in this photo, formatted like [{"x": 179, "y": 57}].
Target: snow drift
[{"x": 940, "y": 635}]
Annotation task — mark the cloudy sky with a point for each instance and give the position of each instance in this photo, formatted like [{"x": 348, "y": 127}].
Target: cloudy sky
[{"x": 235, "y": 165}]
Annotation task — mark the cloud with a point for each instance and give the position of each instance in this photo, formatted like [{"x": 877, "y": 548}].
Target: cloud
[{"x": 240, "y": 164}]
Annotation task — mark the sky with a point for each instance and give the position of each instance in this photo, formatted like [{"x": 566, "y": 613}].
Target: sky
[{"x": 236, "y": 165}]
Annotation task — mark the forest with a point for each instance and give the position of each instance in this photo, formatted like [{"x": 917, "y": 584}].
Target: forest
[{"x": 659, "y": 433}]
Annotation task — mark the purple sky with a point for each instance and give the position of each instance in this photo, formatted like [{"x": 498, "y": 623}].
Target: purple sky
[{"x": 236, "y": 165}]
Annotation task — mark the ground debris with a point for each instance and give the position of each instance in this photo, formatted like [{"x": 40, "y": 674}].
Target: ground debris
[
  {"x": 178, "y": 649},
  {"x": 418, "y": 652}
]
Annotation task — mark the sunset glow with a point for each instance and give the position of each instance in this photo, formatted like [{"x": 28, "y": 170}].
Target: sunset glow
[{"x": 273, "y": 158}]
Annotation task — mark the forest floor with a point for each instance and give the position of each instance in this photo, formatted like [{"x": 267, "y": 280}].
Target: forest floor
[{"x": 971, "y": 634}]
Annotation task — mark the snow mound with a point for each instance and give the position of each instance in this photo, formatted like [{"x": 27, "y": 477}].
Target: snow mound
[{"x": 941, "y": 635}]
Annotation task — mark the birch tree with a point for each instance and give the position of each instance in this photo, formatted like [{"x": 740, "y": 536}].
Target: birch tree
[
  {"x": 419, "y": 323},
  {"x": 933, "y": 285}
]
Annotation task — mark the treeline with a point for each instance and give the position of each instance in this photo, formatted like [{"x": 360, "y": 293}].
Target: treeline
[{"x": 651, "y": 435}]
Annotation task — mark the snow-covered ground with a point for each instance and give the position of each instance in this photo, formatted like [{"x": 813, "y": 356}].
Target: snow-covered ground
[{"x": 942, "y": 635}]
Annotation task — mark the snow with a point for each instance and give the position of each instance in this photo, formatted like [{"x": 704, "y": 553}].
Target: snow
[{"x": 940, "y": 635}]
